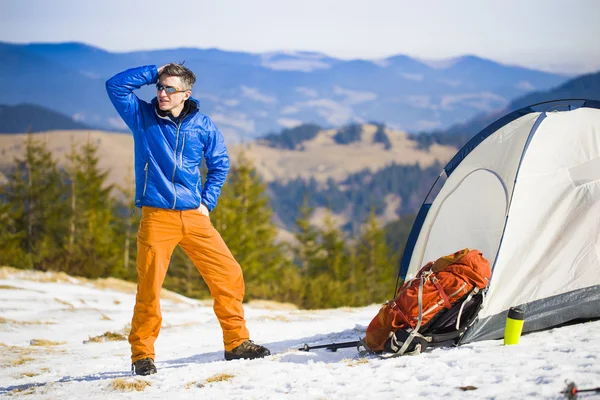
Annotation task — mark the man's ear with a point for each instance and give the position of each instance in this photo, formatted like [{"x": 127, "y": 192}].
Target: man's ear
[{"x": 188, "y": 94}]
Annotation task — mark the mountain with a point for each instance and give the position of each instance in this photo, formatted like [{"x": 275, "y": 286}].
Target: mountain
[
  {"x": 34, "y": 118},
  {"x": 249, "y": 95},
  {"x": 582, "y": 87}
]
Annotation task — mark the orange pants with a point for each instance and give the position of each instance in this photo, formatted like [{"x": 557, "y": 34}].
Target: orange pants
[{"x": 160, "y": 231}]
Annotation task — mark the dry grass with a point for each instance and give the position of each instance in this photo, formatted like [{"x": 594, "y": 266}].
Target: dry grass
[
  {"x": 356, "y": 362},
  {"x": 272, "y": 305},
  {"x": 65, "y": 303},
  {"x": 129, "y": 384},
  {"x": 61, "y": 277},
  {"x": 220, "y": 378},
  {"x": 194, "y": 383},
  {"x": 115, "y": 284},
  {"x": 8, "y": 287},
  {"x": 45, "y": 343},
  {"x": 15, "y": 322},
  {"x": 22, "y": 360},
  {"x": 106, "y": 337},
  {"x": 279, "y": 318},
  {"x": 105, "y": 318},
  {"x": 22, "y": 392},
  {"x": 322, "y": 158},
  {"x": 28, "y": 374},
  {"x": 36, "y": 276}
]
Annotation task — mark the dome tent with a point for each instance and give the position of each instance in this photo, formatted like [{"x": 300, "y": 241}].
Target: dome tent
[{"x": 526, "y": 192}]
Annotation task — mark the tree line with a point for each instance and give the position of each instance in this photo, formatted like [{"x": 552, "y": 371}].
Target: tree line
[{"x": 70, "y": 219}]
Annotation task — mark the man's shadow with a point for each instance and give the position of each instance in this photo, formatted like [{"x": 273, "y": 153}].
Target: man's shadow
[{"x": 289, "y": 350}]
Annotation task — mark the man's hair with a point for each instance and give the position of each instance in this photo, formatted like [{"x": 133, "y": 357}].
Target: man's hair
[{"x": 187, "y": 77}]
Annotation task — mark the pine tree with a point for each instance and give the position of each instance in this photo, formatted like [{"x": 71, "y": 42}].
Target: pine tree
[
  {"x": 93, "y": 251},
  {"x": 11, "y": 252},
  {"x": 375, "y": 268},
  {"x": 127, "y": 218},
  {"x": 333, "y": 268},
  {"x": 244, "y": 220},
  {"x": 308, "y": 251},
  {"x": 34, "y": 197}
]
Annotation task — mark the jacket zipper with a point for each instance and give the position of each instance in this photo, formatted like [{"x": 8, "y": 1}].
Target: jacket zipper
[
  {"x": 178, "y": 125},
  {"x": 181, "y": 153},
  {"x": 198, "y": 181},
  {"x": 145, "y": 179},
  {"x": 175, "y": 166}
]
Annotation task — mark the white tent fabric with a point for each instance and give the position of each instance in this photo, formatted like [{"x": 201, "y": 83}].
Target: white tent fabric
[{"x": 528, "y": 197}]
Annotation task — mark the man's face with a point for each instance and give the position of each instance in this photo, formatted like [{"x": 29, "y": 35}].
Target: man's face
[{"x": 169, "y": 101}]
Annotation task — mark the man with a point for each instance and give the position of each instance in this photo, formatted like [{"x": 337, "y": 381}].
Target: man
[{"x": 170, "y": 138}]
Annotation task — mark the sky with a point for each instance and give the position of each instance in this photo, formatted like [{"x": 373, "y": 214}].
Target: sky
[
  {"x": 555, "y": 35},
  {"x": 47, "y": 321}
]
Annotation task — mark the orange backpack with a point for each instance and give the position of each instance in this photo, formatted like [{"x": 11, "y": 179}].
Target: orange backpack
[{"x": 438, "y": 286}]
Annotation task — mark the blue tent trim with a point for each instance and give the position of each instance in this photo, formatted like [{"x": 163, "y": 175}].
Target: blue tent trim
[
  {"x": 481, "y": 136},
  {"x": 412, "y": 240}
]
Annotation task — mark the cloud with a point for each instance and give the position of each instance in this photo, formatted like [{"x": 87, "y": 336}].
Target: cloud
[
  {"x": 294, "y": 61},
  {"x": 334, "y": 112},
  {"x": 289, "y": 123},
  {"x": 412, "y": 77},
  {"x": 239, "y": 121},
  {"x": 117, "y": 123},
  {"x": 424, "y": 125},
  {"x": 451, "y": 82},
  {"x": 290, "y": 110},
  {"x": 295, "y": 65},
  {"x": 421, "y": 101},
  {"x": 354, "y": 96},
  {"x": 482, "y": 101},
  {"x": 231, "y": 102},
  {"x": 256, "y": 95},
  {"x": 525, "y": 85},
  {"x": 307, "y": 91}
]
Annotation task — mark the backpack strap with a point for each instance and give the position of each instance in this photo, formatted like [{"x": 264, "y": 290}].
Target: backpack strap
[
  {"x": 458, "y": 330},
  {"x": 462, "y": 306},
  {"x": 415, "y": 331},
  {"x": 443, "y": 294}
]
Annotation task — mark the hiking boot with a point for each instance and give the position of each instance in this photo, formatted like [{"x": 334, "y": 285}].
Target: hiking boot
[
  {"x": 247, "y": 350},
  {"x": 145, "y": 366}
]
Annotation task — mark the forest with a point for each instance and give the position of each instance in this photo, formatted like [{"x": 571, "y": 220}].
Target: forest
[{"x": 67, "y": 218}]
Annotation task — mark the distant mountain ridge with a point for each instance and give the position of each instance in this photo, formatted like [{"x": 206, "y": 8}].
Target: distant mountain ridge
[
  {"x": 350, "y": 169},
  {"x": 583, "y": 87},
  {"x": 33, "y": 118},
  {"x": 249, "y": 95}
]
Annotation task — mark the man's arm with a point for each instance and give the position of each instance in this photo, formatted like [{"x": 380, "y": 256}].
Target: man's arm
[
  {"x": 120, "y": 91},
  {"x": 217, "y": 162}
]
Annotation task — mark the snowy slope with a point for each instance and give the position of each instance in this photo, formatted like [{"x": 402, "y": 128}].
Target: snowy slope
[{"x": 47, "y": 320}]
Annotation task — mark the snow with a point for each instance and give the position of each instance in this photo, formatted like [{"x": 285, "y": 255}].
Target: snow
[{"x": 69, "y": 311}]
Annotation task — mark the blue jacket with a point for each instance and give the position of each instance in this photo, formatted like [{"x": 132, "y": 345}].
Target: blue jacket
[{"x": 168, "y": 154}]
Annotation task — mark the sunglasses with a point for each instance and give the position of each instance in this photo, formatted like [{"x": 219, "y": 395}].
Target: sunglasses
[{"x": 169, "y": 89}]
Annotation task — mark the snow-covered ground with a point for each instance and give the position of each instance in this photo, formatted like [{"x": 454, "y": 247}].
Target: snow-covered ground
[{"x": 47, "y": 321}]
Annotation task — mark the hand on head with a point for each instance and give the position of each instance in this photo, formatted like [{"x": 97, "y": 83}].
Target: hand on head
[{"x": 160, "y": 70}]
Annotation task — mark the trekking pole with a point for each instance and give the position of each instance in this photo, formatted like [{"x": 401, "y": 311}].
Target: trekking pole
[
  {"x": 331, "y": 346},
  {"x": 571, "y": 390}
]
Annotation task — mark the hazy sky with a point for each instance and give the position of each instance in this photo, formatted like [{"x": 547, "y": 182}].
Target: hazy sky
[{"x": 552, "y": 34}]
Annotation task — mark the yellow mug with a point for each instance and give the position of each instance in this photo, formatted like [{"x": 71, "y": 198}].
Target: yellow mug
[{"x": 514, "y": 325}]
